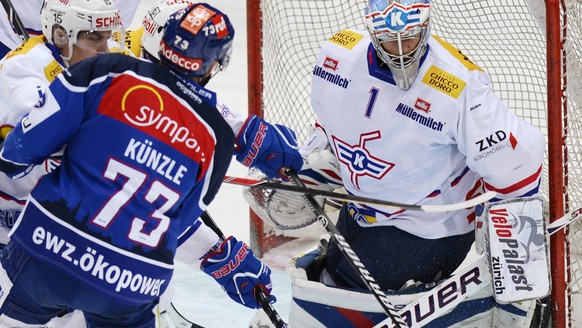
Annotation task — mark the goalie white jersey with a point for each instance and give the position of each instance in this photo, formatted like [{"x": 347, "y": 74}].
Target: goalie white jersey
[{"x": 446, "y": 139}]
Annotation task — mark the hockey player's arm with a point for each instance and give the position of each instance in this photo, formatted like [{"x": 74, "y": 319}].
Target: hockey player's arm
[
  {"x": 21, "y": 84},
  {"x": 504, "y": 149},
  {"x": 51, "y": 123}
]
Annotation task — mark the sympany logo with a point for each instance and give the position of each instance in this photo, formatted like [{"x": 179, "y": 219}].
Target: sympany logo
[{"x": 150, "y": 113}]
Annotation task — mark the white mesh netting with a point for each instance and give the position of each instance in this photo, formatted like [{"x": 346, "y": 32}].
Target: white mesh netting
[{"x": 505, "y": 37}]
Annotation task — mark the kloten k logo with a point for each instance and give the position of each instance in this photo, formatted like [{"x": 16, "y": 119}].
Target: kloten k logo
[{"x": 359, "y": 160}]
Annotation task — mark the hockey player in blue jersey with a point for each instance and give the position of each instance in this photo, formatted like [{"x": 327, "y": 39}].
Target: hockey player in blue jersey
[{"x": 146, "y": 152}]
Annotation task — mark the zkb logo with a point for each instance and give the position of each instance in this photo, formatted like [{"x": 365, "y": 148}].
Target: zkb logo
[{"x": 359, "y": 160}]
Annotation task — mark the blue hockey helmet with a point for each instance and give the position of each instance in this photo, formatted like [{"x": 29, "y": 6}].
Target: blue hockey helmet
[
  {"x": 399, "y": 30},
  {"x": 197, "y": 41}
]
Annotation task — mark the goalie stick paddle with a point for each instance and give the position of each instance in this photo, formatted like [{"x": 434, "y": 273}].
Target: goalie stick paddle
[
  {"x": 350, "y": 255},
  {"x": 259, "y": 293},
  {"x": 301, "y": 189},
  {"x": 15, "y": 20}
]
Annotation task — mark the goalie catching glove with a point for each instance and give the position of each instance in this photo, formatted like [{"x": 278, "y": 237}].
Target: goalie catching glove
[
  {"x": 239, "y": 272},
  {"x": 267, "y": 147},
  {"x": 286, "y": 210}
]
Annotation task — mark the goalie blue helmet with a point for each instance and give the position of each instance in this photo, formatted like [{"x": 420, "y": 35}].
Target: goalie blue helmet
[
  {"x": 197, "y": 42},
  {"x": 399, "y": 30}
]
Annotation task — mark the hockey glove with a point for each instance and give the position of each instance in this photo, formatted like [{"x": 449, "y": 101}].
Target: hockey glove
[
  {"x": 239, "y": 272},
  {"x": 286, "y": 210},
  {"x": 268, "y": 147}
]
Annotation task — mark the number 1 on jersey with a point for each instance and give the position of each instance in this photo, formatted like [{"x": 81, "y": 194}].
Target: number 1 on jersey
[{"x": 371, "y": 101}]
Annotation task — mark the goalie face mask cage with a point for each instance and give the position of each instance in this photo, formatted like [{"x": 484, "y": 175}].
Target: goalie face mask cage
[{"x": 399, "y": 30}]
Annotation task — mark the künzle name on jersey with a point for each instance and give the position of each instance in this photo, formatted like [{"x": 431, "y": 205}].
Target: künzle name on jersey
[
  {"x": 331, "y": 77},
  {"x": 143, "y": 152}
]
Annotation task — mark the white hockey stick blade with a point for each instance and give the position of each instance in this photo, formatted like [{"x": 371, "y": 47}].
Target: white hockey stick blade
[
  {"x": 461, "y": 205},
  {"x": 253, "y": 183},
  {"x": 176, "y": 319},
  {"x": 564, "y": 221}
]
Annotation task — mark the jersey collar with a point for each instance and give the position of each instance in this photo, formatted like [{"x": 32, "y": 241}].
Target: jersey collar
[
  {"x": 56, "y": 54},
  {"x": 383, "y": 73}
]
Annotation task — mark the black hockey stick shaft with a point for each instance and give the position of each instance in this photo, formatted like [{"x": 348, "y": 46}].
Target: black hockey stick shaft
[
  {"x": 259, "y": 294},
  {"x": 15, "y": 20},
  {"x": 350, "y": 255}
]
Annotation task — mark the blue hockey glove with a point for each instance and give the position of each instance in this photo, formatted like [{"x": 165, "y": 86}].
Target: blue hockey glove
[
  {"x": 268, "y": 147},
  {"x": 239, "y": 272}
]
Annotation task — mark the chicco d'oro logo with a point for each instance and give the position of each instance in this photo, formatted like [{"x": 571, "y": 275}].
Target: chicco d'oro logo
[
  {"x": 346, "y": 38},
  {"x": 444, "y": 82},
  {"x": 196, "y": 18}
]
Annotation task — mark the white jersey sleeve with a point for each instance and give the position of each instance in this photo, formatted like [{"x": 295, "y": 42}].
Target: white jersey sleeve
[
  {"x": 506, "y": 151},
  {"x": 25, "y": 74},
  {"x": 234, "y": 119},
  {"x": 29, "y": 13}
]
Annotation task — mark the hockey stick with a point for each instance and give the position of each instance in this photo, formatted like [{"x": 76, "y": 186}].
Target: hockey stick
[
  {"x": 301, "y": 189},
  {"x": 350, "y": 255},
  {"x": 564, "y": 221},
  {"x": 177, "y": 319},
  {"x": 15, "y": 20},
  {"x": 457, "y": 288},
  {"x": 259, "y": 293}
]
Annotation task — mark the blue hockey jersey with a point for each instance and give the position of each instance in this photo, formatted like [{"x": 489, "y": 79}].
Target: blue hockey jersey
[{"x": 145, "y": 153}]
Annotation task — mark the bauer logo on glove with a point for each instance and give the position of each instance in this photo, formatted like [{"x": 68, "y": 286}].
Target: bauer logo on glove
[
  {"x": 239, "y": 272},
  {"x": 268, "y": 147}
]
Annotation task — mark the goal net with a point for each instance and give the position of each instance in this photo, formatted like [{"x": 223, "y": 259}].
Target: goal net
[{"x": 505, "y": 37}]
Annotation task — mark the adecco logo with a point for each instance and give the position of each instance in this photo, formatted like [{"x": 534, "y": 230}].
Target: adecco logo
[{"x": 188, "y": 64}]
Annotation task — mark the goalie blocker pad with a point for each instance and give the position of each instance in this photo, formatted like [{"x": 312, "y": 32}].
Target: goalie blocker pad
[{"x": 516, "y": 248}]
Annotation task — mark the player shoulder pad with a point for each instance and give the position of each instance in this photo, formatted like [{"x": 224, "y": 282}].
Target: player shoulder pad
[
  {"x": 26, "y": 46},
  {"x": 457, "y": 54},
  {"x": 133, "y": 41},
  {"x": 347, "y": 39},
  {"x": 449, "y": 71}
]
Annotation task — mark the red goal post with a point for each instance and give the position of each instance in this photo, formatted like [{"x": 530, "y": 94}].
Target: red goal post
[{"x": 531, "y": 48}]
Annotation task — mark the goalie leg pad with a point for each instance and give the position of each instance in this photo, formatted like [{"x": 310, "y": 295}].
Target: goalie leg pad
[
  {"x": 466, "y": 297},
  {"x": 517, "y": 249}
]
